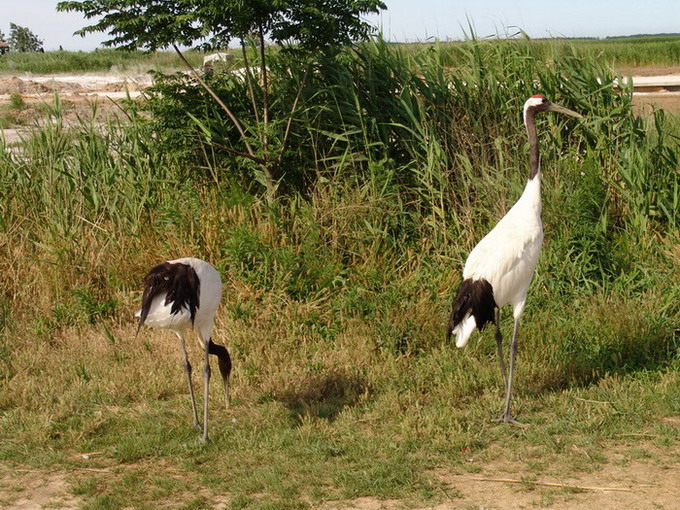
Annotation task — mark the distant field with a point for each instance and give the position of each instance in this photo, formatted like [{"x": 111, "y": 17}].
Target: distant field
[
  {"x": 95, "y": 61},
  {"x": 623, "y": 52},
  {"x": 634, "y": 51},
  {"x": 619, "y": 52}
]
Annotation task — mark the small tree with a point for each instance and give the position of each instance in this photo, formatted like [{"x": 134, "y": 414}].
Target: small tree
[
  {"x": 304, "y": 26},
  {"x": 22, "y": 39}
]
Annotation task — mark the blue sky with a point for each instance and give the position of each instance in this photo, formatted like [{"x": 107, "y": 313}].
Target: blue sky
[{"x": 418, "y": 20}]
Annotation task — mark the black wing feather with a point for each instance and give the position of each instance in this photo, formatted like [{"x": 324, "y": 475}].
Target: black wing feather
[
  {"x": 179, "y": 282},
  {"x": 475, "y": 297}
]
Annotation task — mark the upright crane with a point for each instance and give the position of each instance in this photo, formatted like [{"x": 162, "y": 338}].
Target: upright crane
[{"x": 499, "y": 269}]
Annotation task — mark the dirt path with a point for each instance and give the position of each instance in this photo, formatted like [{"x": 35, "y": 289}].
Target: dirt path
[
  {"x": 651, "y": 481},
  {"x": 649, "y": 70},
  {"x": 29, "y": 85}
]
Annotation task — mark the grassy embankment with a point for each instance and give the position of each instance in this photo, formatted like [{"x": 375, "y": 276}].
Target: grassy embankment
[
  {"x": 336, "y": 296},
  {"x": 100, "y": 60},
  {"x": 623, "y": 52}
]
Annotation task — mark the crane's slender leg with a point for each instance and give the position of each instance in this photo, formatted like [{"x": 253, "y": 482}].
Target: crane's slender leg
[
  {"x": 187, "y": 370},
  {"x": 499, "y": 348},
  {"x": 506, "y": 416},
  {"x": 206, "y": 376},
  {"x": 226, "y": 387}
]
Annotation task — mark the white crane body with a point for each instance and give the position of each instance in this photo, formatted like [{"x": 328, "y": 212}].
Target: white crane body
[
  {"x": 160, "y": 313},
  {"x": 500, "y": 267},
  {"x": 507, "y": 256},
  {"x": 184, "y": 294}
]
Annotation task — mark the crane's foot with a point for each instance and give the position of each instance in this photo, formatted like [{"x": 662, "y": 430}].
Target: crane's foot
[
  {"x": 203, "y": 438},
  {"x": 198, "y": 426},
  {"x": 506, "y": 418}
]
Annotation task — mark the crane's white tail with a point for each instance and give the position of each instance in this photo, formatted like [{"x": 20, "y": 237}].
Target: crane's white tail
[
  {"x": 473, "y": 307},
  {"x": 463, "y": 330}
]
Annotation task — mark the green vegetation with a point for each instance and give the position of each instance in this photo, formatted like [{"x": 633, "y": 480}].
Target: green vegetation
[
  {"x": 635, "y": 51},
  {"x": 614, "y": 52},
  {"x": 21, "y": 39},
  {"x": 52, "y": 62},
  {"x": 216, "y": 23},
  {"x": 10, "y": 115},
  {"x": 337, "y": 293},
  {"x": 310, "y": 30},
  {"x": 648, "y": 50}
]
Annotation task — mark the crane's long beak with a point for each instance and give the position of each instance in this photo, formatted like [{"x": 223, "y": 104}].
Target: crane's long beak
[{"x": 561, "y": 109}]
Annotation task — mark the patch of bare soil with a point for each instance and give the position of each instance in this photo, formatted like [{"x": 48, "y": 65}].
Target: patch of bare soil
[
  {"x": 637, "y": 485},
  {"x": 639, "y": 476},
  {"x": 367, "y": 503},
  {"x": 667, "y": 101},
  {"x": 32, "y": 489},
  {"x": 35, "y": 489},
  {"x": 73, "y": 109},
  {"x": 73, "y": 88},
  {"x": 78, "y": 95},
  {"x": 652, "y": 481},
  {"x": 72, "y": 84}
]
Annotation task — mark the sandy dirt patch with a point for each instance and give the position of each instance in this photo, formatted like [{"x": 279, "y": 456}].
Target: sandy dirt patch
[
  {"x": 78, "y": 95},
  {"x": 28, "y": 489},
  {"x": 99, "y": 84},
  {"x": 639, "y": 475},
  {"x": 659, "y": 87},
  {"x": 613, "y": 487},
  {"x": 634, "y": 485},
  {"x": 649, "y": 70}
]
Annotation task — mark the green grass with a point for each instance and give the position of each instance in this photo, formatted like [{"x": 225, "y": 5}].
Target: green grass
[
  {"x": 277, "y": 447},
  {"x": 100, "y": 60},
  {"x": 636, "y": 51},
  {"x": 617, "y": 52},
  {"x": 10, "y": 114},
  {"x": 337, "y": 293}
]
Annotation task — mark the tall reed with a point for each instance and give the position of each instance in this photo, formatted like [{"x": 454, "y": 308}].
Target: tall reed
[{"x": 395, "y": 167}]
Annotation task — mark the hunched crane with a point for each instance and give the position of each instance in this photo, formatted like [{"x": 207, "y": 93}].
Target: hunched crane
[{"x": 180, "y": 295}]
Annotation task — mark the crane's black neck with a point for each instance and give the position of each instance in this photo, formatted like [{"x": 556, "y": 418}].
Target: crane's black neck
[
  {"x": 534, "y": 158},
  {"x": 224, "y": 360}
]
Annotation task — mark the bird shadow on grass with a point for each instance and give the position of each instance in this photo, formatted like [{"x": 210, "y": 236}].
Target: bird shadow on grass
[
  {"x": 586, "y": 363},
  {"x": 324, "y": 395}
]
